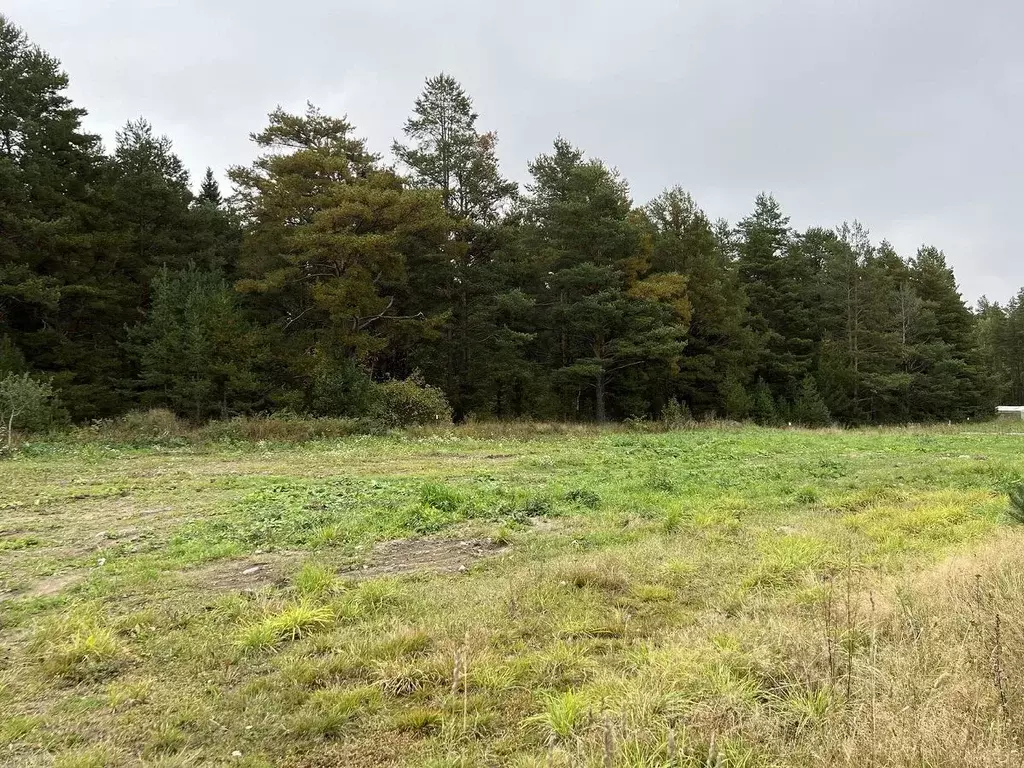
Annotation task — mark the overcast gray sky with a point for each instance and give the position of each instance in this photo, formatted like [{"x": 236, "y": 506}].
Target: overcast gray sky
[{"x": 904, "y": 114}]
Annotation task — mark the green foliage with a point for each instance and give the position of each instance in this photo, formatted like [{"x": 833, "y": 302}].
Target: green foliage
[
  {"x": 195, "y": 350},
  {"x": 762, "y": 405},
  {"x": 291, "y": 623},
  {"x": 330, "y": 270},
  {"x": 735, "y": 400},
  {"x": 25, "y": 403},
  {"x": 563, "y": 716},
  {"x": 676, "y": 414},
  {"x": 403, "y": 403},
  {"x": 809, "y": 408}
]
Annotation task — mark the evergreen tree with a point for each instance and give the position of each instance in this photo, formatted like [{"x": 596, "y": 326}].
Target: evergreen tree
[
  {"x": 447, "y": 153},
  {"x": 332, "y": 240},
  {"x": 778, "y": 277},
  {"x": 809, "y": 408},
  {"x": 195, "y": 350},
  {"x": 718, "y": 346},
  {"x": 949, "y": 383},
  {"x": 763, "y": 408},
  {"x": 209, "y": 191},
  {"x": 603, "y": 310},
  {"x": 51, "y": 251}
]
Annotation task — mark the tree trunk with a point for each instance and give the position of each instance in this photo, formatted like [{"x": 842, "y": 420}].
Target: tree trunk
[{"x": 599, "y": 386}]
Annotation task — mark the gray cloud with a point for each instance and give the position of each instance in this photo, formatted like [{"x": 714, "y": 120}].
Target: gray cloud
[{"x": 899, "y": 113}]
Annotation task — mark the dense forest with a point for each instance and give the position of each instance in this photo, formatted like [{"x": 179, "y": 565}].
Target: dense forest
[{"x": 328, "y": 272}]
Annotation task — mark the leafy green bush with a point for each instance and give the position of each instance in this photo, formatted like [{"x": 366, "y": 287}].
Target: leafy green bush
[
  {"x": 405, "y": 402},
  {"x": 25, "y": 403}
]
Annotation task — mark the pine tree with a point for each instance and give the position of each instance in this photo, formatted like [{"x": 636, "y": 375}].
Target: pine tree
[
  {"x": 333, "y": 239},
  {"x": 606, "y": 313},
  {"x": 51, "y": 254},
  {"x": 447, "y": 153}
]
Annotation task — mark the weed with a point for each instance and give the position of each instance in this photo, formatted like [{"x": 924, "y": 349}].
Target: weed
[
  {"x": 807, "y": 494},
  {"x": 442, "y": 497},
  {"x": 583, "y": 497},
  {"x": 81, "y": 650},
  {"x": 90, "y": 757},
  {"x": 418, "y": 720}
]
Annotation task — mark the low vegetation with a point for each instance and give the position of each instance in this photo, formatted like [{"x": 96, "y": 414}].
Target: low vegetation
[{"x": 527, "y": 595}]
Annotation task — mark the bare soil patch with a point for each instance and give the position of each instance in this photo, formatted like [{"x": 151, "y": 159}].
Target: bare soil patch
[
  {"x": 403, "y": 556},
  {"x": 246, "y": 574}
]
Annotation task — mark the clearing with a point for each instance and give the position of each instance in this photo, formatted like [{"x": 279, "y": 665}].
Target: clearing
[{"x": 492, "y": 597}]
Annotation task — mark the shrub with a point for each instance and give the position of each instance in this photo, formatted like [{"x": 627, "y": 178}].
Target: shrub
[
  {"x": 155, "y": 424},
  {"x": 25, "y": 403},
  {"x": 406, "y": 402},
  {"x": 676, "y": 414}
]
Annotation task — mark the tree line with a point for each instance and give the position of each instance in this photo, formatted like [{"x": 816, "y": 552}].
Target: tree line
[{"x": 329, "y": 271}]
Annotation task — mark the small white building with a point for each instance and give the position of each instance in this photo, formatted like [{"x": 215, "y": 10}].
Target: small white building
[{"x": 1012, "y": 412}]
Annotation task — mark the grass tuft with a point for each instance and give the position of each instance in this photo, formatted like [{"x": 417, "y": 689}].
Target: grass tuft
[
  {"x": 294, "y": 622},
  {"x": 563, "y": 717}
]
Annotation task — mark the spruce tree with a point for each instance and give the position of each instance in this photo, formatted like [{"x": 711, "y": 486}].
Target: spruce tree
[
  {"x": 809, "y": 408},
  {"x": 195, "y": 351},
  {"x": 209, "y": 190}
]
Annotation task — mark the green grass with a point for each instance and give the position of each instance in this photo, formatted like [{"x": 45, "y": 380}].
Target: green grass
[{"x": 711, "y": 596}]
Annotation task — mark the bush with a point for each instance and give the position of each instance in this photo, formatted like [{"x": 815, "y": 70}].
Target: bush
[
  {"x": 25, "y": 403},
  {"x": 139, "y": 427},
  {"x": 676, "y": 414},
  {"x": 407, "y": 402},
  {"x": 156, "y": 423}
]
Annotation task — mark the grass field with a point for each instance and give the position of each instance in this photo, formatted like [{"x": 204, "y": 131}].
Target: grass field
[{"x": 511, "y": 596}]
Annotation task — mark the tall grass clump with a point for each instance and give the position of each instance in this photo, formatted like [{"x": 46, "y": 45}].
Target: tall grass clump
[{"x": 1016, "y": 507}]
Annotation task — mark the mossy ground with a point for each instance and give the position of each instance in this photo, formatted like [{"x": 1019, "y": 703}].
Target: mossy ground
[{"x": 728, "y": 597}]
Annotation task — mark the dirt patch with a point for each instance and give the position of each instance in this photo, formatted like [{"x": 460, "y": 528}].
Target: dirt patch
[
  {"x": 403, "y": 556},
  {"x": 391, "y": 558},
  {"x": 245, "y": 575},
  {"x": 51, "y": 586}
]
